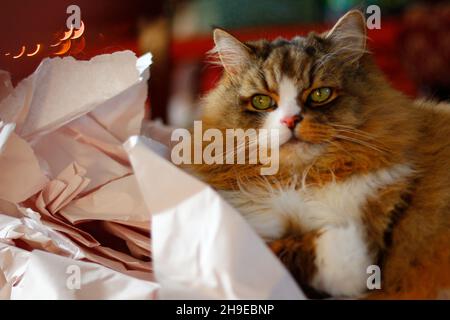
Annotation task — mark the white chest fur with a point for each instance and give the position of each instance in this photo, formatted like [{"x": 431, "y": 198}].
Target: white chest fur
[
  {"x": 342, "y": 256},
  {"x": 268, "y": 208}
]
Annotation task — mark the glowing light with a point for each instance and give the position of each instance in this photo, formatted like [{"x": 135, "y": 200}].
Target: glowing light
[
  {"x": 22, "y": 51},
  {"x": 38, "y": 47},
  {"x": 78, "y": 33},
  {"x": 63, "y": 45},
  {"x": 67, "y": 34},
  {"x": 64, "y": 48}
]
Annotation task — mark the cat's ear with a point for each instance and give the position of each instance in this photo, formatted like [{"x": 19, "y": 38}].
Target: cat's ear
[
  {"x": 232, "y": 53},
  {"x": 349, "y": 36}
]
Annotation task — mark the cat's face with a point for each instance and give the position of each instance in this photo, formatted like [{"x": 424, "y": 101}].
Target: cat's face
[{"x": 308, "y": 88}]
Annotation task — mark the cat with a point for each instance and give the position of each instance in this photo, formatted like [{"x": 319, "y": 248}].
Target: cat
[{"x": 364, "y": 172}]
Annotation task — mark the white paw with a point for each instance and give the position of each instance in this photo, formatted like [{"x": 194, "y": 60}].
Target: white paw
[{"x": 342, "y": 259}]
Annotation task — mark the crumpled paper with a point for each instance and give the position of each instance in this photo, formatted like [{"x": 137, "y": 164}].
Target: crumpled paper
[
  {"x": 79, "y": 189},
  {"x": 202, "y": 248}
]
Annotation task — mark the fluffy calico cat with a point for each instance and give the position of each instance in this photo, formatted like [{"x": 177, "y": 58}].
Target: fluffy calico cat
[{"x": 364, "y": 172}]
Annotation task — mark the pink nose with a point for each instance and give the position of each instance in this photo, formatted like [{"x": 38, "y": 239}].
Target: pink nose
[{"x": 291, "y": 121}]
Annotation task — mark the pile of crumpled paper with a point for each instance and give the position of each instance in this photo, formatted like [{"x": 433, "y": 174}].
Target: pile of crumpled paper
[{"x": 89, "y": 209}]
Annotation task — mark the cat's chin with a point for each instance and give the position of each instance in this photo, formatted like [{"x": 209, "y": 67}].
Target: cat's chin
[{"x": 303, "y": 151}]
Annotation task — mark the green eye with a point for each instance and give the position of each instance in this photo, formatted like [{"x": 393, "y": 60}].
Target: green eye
[
  {"x": 320, "y": 95},
  {"x": 262, "y": 102}
]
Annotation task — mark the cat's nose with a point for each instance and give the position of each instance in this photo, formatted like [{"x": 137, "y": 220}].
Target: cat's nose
[{"x": 291, "y": 121}]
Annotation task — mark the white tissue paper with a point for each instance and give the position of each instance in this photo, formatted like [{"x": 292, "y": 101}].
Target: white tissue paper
[{"x": 89, "y": 209}]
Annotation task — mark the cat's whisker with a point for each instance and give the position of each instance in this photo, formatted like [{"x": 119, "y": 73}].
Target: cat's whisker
[
  {"x": 338, "y": 146},
  {"x": 347, "y": 129},
  {"x": 360, "y": 134},
  {"x": 242, "y": 146},
  {"x": 375, "y": 144},
  {"x": 305, "y": 176},
  {"x": 363, "y": 143}
]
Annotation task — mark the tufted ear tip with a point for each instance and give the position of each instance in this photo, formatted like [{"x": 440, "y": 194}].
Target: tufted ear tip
[
  {"x": 233, "y": 54},
  {"x": 218, "y": 33},
  {"x": 352, "y": 21},
  {"x": 349, "y": 34}
]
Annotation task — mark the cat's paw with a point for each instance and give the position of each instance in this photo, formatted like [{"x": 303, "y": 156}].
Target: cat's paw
[
  {"x": 341, "y": 261},
  {"x": 333, "y": 260}
]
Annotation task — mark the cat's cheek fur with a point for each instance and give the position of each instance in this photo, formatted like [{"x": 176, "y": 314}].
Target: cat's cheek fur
[{"x": 342, "y": 258}]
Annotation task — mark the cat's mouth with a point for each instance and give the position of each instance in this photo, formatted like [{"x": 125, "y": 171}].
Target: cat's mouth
[
  {"x": 295, "y": 142},
  {"x": 304, "y": 151}
]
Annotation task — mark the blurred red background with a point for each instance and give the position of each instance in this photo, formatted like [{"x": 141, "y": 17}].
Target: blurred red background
[{"x": 412, "y": 47}]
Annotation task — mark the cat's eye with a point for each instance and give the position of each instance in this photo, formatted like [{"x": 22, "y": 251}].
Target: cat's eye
[
  {"x": 262, "y": 102},
  {"x": 320, "y": 95}
]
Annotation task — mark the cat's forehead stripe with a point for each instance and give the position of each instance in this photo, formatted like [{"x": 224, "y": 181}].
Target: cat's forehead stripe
[
  {"x": 287, "y": 58},
  {"x": 277, "y": 59}
]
